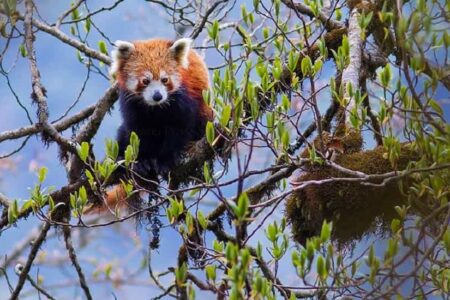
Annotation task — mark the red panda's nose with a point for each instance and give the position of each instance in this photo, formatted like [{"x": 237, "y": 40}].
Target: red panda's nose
[{"x": 157, "y": 96}]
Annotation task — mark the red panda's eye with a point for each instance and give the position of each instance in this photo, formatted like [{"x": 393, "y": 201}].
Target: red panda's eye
[
  {"x": 145, "y": 81},
  {"x": 164, "y": 80}
]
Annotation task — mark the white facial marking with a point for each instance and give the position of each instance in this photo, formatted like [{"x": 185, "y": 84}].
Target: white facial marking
[
  {"x": 132, "y": 83},
  {"x": 154, "y": 90}
]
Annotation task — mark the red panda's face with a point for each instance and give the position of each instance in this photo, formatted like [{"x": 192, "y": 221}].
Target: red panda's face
[{"x": 150, "y": 69}]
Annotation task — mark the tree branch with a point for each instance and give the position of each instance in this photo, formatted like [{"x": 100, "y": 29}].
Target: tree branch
[
  {"x": 38, "y": 90},
  {"x": 351, "y": 74},
  {"x": 326, "y": 20},
  {"x": 54, "y": 31},
  {"x": 26, "y": 269},
  {"x": 73, "y": 258}
]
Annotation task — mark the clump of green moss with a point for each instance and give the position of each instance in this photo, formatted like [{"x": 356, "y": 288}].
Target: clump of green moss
[{"x": 353, "y": 208}]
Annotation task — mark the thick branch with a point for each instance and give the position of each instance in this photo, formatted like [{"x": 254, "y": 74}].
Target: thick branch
[
  {"x": 59, "y": 126},
  {"x": 4, "y": 201},
  {"x": 101, "y": 108},
  {"x": 351, "y": 74}
]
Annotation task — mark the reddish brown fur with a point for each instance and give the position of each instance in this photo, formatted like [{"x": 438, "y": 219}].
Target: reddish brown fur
[{"x": 154, "y": 56}]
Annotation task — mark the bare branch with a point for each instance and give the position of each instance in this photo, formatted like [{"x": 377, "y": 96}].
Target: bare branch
[
  {"x": 59, "y": 126},
  {"x": 200, "y": 24},
  {"x": 4, "y": 201},
  {"x": 76, "y": 264},
  {"x": 52, "y": 30},
  {"x": 26, "y": 269},
  {"x": 351, "y": 74},
  {"x": 38, "y": 90}
]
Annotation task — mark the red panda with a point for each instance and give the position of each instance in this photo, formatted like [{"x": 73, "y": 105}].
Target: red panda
[{"x": 161, "y": 84}]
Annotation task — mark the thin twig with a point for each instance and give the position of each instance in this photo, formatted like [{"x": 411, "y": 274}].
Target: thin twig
[{"x": 33, "y": 252}]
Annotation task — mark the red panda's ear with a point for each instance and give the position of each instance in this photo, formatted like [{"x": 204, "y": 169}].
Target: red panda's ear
[
  {"x": 121, "y": 52},
  {"x": 180, "y": 50}
]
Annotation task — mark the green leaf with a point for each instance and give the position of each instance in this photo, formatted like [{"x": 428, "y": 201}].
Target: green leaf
[
  {"x": 386, "y": 76},
  {"x": 293, "y": 60},
  {"x": 272, "y": 232},
  {"x": 102, "y": 47},
  {"x": 134, "y": 142},
  {"x": 189, "y": 220},
  {"x": 202, "y": 220},
  {"x": 245, "y": 257},
  {"x": 306, "y": 65},
  {"x": 285, "y": 139},
  {"x": 42, "y": 174},
  {"x": 325, "y": 233},
  {"x": 12, "y": 5},
  {"x": 207, "y": 173},
  {"x": 345, "y": 46},
  {"x": 244, "y": 13},
  {"x": 266, "y": 32},
  {"x": 210, "y": 132},
  {"x": 108, "y": 270},
  {"x": 395, "y": 225},
  {"x": 87, "y": 25},
  {"x": 259, "y": 250},
  {"x": 446, "y": 240},
  {"x": 210, "y": 272},
  {"x": 83, "y": 195},
  {"x": 73, "y": 201},
  {"x": 242, "y": 207},
  {"x": 338, "y": 14},
  {"x": 285, "y": 103},
  {"x": 218, "y": 246},
  {"x": 256, "y": 4},
  {"x": 181, "y": 274},
  {"x": 231, "y": 252},
  {"x": 13, "y": 212},
  {"x": 213, "y": 31},
  {"x": 371, "y": 256},
  {"x": 112, "y": 149},
  {"x": 129, "y": 157},
  {"x": 226, "y": 114},
  {"x": 435, "y": 106},
  {"x": 75, "y": 14},
  {"x": 51, "y": 203},
  {"x": 318, "y": 66},
  {"x": 83, "y": 151},
  {"x": 321, "y": 270},
  {"x": 23, "y": 50}
]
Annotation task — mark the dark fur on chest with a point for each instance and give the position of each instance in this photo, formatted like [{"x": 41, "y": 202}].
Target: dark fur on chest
[{"x": 164, "y": 130}]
